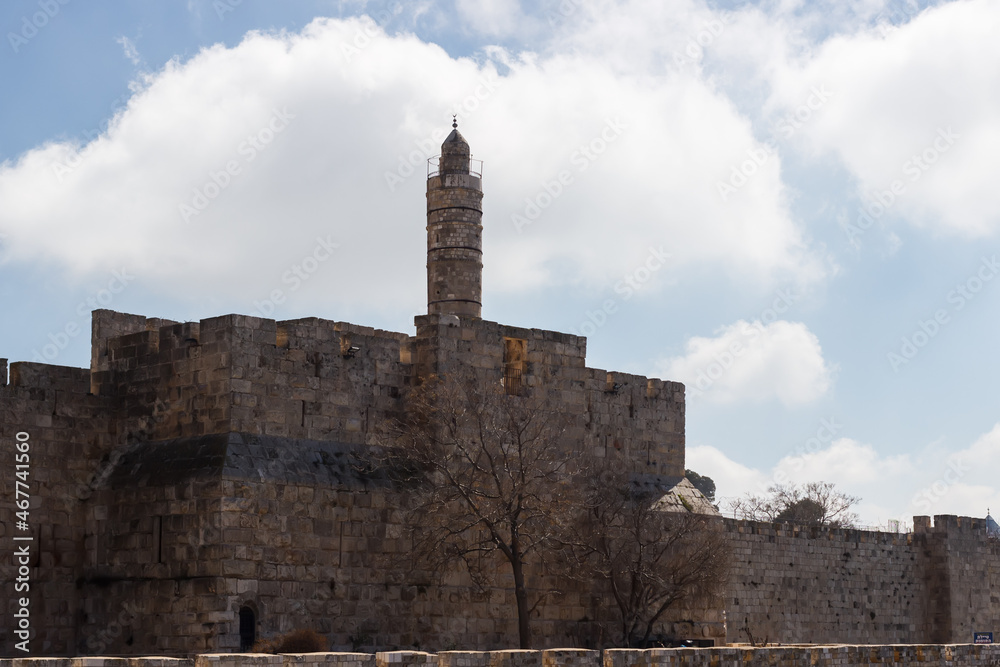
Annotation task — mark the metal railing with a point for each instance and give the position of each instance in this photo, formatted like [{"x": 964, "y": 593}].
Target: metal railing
[
  {"x": 434, "y": 167},
  {"x": 512, "y": 376}
]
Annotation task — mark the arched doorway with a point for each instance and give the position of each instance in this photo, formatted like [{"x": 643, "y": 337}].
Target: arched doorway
[{"x": 248, "y": 628}]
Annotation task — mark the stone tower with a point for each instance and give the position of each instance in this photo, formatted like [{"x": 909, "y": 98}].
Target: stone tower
[{"x": 455, "y": 232}]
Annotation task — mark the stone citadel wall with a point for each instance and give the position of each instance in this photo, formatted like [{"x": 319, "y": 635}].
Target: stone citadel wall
[
  {"x": 200, "y": 467},
  {"x": 795, "y": 584}
]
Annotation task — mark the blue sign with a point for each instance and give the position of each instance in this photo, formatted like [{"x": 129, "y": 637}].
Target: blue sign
[{"x": 982, "y": 637}]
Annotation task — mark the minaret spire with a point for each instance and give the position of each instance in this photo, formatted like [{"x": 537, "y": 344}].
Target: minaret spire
[{"x": 455, "y": 230}]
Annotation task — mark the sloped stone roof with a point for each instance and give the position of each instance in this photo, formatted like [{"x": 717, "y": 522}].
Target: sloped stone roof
[{"x": 680, "y": 495}]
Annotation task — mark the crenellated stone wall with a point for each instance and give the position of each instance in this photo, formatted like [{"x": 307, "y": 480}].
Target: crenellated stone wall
[
  {"x": 627, "y": 419},
  {"x": 201, "y": 467},
  {"x": 794, "y": 584}
]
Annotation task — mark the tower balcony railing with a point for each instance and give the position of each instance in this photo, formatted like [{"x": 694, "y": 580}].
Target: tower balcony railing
[{"x": 434, "y": 167}]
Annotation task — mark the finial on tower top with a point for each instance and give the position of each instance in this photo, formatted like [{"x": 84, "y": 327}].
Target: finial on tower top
[{"x": 454, "y": 121}]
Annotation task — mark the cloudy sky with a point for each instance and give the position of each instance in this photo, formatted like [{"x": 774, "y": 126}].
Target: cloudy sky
[{"x": 789, "y": 206}]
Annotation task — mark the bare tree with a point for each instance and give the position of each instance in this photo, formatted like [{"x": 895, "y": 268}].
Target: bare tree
[
  {"x": 488, "y": 478},
  {"x": 651, "y": 558},
  {"x": 811, "y": 504}
]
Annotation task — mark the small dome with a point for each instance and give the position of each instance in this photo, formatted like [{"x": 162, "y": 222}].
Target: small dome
[
  {"x": 456, "y": 137},
  {"x": 454, "y": 144},
  {"x": 992, "y": 527}
]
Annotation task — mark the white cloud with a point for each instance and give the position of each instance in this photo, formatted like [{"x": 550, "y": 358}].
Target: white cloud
[
  {"x": 752, "y": 361},
  {"x": 913, "y": 104},
  {"x": 129, "y": 50},
  {"x": 494, "y": 18},
  {"x": 366, "y": 105},
  {"x": 731, "y": 478},
  {"x": 931, "y": 481}
]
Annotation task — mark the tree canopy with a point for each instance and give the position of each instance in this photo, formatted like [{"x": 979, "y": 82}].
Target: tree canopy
[
  {"x": 703, "y": 483},
  {"x": 810, "y": 504}
]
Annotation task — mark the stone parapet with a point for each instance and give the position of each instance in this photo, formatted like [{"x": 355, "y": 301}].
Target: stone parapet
[{"x": 917, "y": 655}]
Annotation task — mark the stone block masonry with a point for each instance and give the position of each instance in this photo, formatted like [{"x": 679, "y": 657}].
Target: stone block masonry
[
  {"x": 793, "y": 584},
  {"x": 200, "y": 468},
  {"x": 935, "y": 655}
]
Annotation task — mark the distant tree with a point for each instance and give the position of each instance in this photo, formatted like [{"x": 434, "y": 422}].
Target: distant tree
[
  {"x": 488, "y": 479},
  {"x": 651, "y": 557},
  {"x": 811, "y": 504},
  {"x": 806, "y": 511},
  {"x": 703, "y": 483}
]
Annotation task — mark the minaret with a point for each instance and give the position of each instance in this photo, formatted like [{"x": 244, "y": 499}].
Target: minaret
[{"x": 455, "y": 232}]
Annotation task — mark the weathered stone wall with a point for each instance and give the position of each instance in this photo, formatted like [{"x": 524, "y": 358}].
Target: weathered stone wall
[
  {"x": 933, "y": 655},
  {"x": 816, "y": 585},
  {"x": 295, "y": 533},
  {"x": 794, "y": 584},
  {"x": 636, "y": 421},
  {"x": 70, "y": 433},
  {"x": 962, "y": 586},
  {"x": 201, "y": 467},
  {"x": 250, "y": 375}
]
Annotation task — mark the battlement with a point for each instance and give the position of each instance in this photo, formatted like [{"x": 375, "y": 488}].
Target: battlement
[
  {"x": 815, "y": 584},
  {"x": 188, "y": 449},
  {"x": 950, "y": 524},
  {"x": 795, "y": 531},
  {"x": 323, "y": 380},
  {"x": 31, "y": 375}
]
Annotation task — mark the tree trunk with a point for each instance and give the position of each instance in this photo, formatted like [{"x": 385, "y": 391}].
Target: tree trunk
[{"x": 521, "y": 596}]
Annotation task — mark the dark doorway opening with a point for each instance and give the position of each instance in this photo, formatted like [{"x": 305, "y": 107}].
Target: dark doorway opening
[{"x": 248, "y": 629}]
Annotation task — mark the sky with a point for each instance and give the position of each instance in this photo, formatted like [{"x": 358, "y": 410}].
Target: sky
[{"x": 789, "y": 206}]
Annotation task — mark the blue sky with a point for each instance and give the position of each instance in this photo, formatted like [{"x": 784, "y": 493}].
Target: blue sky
[{"x": 786, "y": 205}]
